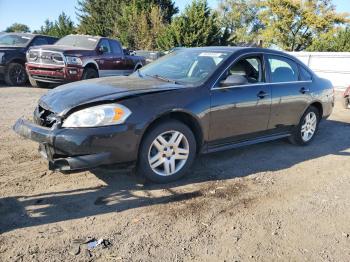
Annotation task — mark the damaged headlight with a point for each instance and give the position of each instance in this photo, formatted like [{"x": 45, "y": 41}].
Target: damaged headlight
[{"x": 101, "y": 115}]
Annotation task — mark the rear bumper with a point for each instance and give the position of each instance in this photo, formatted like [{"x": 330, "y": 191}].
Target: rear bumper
[
  {"x": 54, "y": 74},
  {"x": 81, "y": 148}
]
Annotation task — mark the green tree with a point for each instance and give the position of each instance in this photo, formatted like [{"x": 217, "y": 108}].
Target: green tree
[
  {"x": 196, "y": 26},
  {"x": 16, "y": 27},
  {"x": 46, "y": 29},
  {"x": 336, "y": 40},
  {"x": 138, "y": 27},
  {"x": 239, "y": 18},
  {"x": 292, "y": 25},
  {"x": 61, "y": 27},
  {"x": 101, "y": 17}
]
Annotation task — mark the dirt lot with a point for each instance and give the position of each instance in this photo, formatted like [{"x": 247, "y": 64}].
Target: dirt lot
[{"x": 268, "y": 202}]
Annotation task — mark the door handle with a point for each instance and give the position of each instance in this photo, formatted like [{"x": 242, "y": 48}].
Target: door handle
[
  {"x": 304, "y": 90},
  {"x": 262, "y": 94}
]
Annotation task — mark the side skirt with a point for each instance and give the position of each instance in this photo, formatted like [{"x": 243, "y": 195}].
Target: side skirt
[{"x": 227, "y": 146}]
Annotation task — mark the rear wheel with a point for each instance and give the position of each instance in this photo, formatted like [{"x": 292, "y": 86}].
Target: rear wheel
[
  {"x": 305, "y": 132},
  {"x": 167, "y": 152},
  {"x": 89, "y": 73},
  {"x": 346, "y": 102},
  {"x": 15, "y": 75},
  {"x": 39, "y": 84}
]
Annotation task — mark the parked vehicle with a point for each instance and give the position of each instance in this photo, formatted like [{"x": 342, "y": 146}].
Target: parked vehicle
[
  {"x": 13, "y": 48},
  {"x": 346, "y": 98},
  {"x": 195, "y": 100},
  {"x": 150, "y": 56},
  {"x": 78, "y": 57}
]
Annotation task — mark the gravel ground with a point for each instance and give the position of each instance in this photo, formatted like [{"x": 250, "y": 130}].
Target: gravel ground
[{"x": 268, "y": 202}]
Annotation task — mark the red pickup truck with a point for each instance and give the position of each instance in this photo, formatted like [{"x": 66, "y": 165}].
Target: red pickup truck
[{"x": 78, "y": 57}]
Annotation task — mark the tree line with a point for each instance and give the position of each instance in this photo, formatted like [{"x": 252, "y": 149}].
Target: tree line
[{"x": 291, "y": 25}]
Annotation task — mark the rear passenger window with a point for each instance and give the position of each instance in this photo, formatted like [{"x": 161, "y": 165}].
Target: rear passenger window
[
  {"x": 115, "y": 47},
  {"x": 282, "y": 69},
  {"x": 39, "y": 41},
  {"x": 304, "y": 74}
]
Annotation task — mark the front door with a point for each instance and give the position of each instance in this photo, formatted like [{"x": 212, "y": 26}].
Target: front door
[
  {"x": 240, "y": 111},
  {"x": 105, "y": 60}
]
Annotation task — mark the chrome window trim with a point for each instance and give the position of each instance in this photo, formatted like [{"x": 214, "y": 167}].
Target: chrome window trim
[
  {"x": 261, "y": 84},
  {"x": 255, "y": 84}
]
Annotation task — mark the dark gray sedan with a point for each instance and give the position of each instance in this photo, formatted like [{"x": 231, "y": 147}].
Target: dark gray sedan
[{"x": 195, "y": 100}]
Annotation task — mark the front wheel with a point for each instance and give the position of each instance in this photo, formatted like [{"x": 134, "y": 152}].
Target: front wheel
[
  {"x": 167, "y": 152},
  {"x": 15, "y": 75},
  {"x": 89, "y": 73},
  {"x": 305, "y": 132}
]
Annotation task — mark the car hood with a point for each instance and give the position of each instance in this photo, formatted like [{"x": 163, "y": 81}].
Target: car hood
[
  {"x": 66, "y": 97},
  {"x": 4, "y": 48}
]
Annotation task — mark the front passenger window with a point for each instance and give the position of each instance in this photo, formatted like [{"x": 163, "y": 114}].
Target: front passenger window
[{"x": 247, "y": 70}]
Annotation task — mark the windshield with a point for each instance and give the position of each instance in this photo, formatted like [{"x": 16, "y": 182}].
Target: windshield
[
  {"x": 78, "y": 41},
  {"x": 15, "y": 40},
  {"x": 187, "y": 66}
]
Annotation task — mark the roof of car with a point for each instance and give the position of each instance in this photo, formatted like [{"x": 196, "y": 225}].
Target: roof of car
[
  {"x": 234, "y": 49},
  {"x": 27, "y": 34}
]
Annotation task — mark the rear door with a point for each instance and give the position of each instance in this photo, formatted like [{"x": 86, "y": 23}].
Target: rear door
[
  {"x": 240, "y": 112},
  {"x": 290, "y": 92}
]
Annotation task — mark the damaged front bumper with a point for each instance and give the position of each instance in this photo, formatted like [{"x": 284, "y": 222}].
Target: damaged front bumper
[{"x": 81, "y": 148}]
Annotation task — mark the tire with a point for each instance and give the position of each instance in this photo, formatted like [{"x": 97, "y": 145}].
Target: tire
[
  {"x": 16, "y": 75},
  {"x": 163, "y": 171},
  {"x": 346, "y": 102},
  {"x": 89, "y": 73},
  {"x": 307, "y": 128},
  {"x": 39, "y": 84}
]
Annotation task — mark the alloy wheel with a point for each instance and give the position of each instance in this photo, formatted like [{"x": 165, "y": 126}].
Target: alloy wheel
[
  {"x": 168, "y": 153},
  {"x": 308, "y": 128},
  {"x": 18, "y": 75}
]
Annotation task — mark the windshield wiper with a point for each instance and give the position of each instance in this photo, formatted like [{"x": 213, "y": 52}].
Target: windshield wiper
[{"x": 163, "y": 78}]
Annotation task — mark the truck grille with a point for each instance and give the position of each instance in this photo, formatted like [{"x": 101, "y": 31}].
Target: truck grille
[
  {"x": 44, "y": 117},
  {"x": 39, "y": 56}
]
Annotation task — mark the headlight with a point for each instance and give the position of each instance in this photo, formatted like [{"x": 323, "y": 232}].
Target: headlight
[
  {"x": 72, "y": 60},
  {"x": 1, "y": 56},
  {"x": 102, "y": 115}
]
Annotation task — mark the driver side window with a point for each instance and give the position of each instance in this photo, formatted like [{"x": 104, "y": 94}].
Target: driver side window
[
  {"x": 248, "y": 70},
  {"x": 104, "y": 45}
]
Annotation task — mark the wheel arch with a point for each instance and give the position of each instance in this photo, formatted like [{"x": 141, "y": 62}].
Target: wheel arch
[
  {"x": 319, "y": 106},
  {"x": 91, "y": 65},
  {"x": 182, "y": 116},
  {"x": 17, "y": 60}
]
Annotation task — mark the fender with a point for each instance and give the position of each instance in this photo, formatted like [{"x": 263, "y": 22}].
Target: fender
[{"x": 90, "y": 61}]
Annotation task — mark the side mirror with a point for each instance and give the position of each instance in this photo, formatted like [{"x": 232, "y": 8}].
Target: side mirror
[
  {"x": 103, "y": 49},
  {"x": 234, "y": 80}
]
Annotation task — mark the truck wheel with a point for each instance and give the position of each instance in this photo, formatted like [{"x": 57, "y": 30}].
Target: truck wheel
[
  {"x": 346, "y": 102},
  {"x": 39, "y": 84},
  {"x": 15, "y": 75},
  {"x": 89, "y": 73}
]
